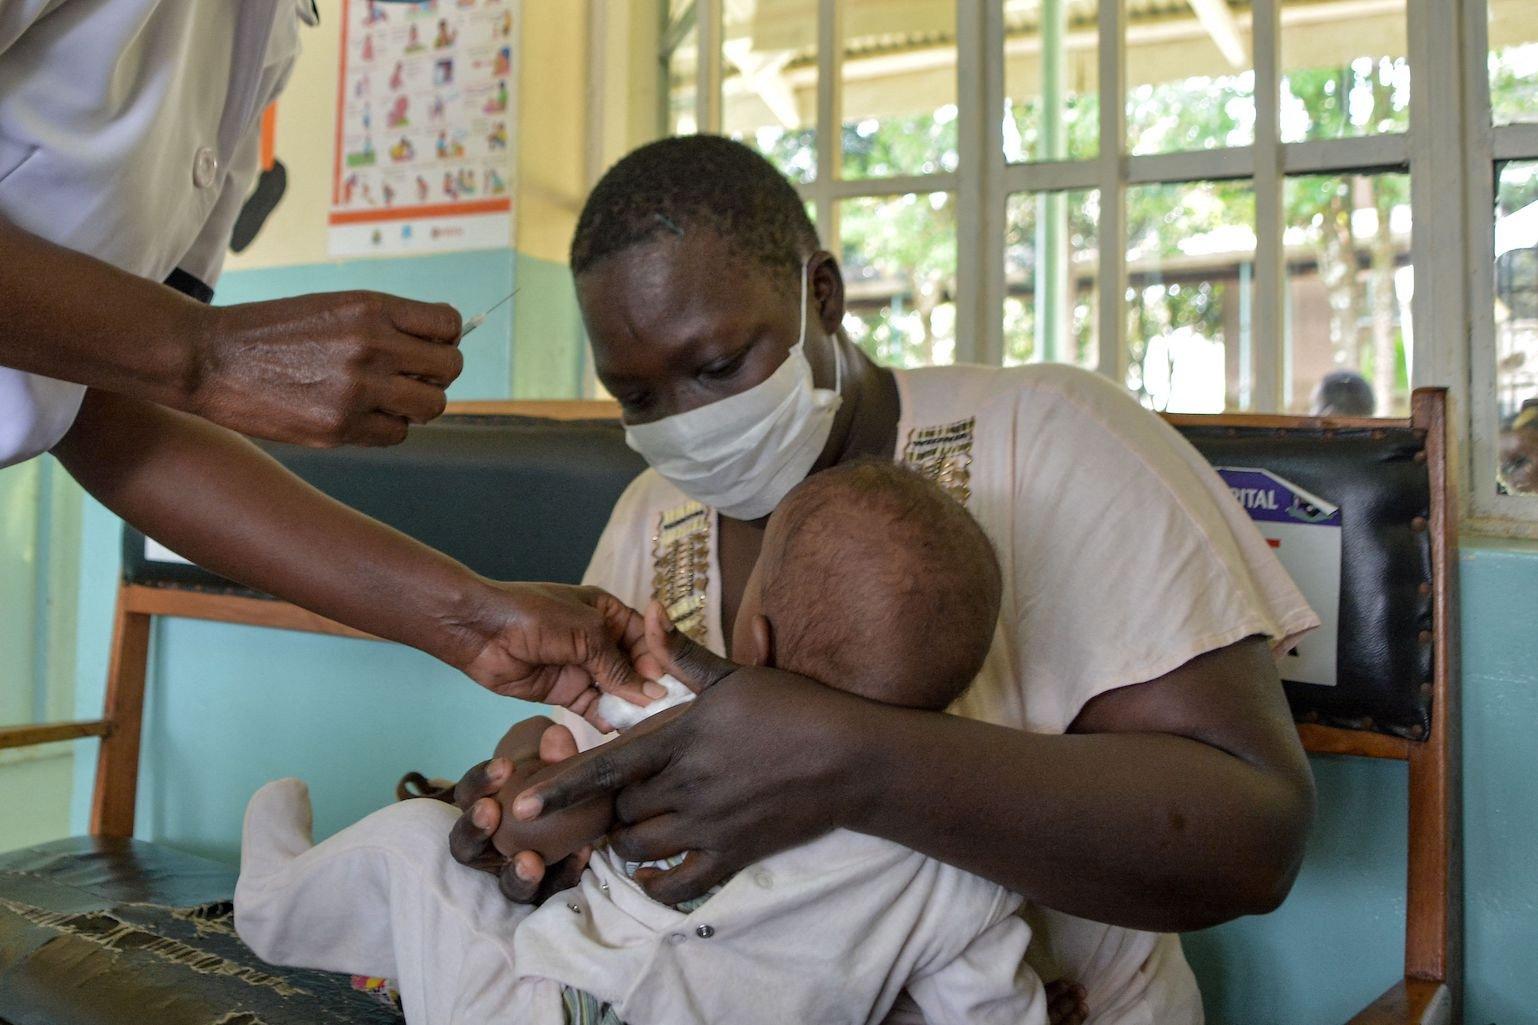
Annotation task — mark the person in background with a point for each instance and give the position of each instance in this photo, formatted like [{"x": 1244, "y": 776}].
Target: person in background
[
  {"x": 1343, "y": 393},
  {"x": 128, "y": 143},
  {"x": 1518, "y": 472}
]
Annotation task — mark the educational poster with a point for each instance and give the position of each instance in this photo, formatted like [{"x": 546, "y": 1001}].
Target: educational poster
[
  {"x": 425, "y": 127},
  {"x": 1304, "y": 531}
]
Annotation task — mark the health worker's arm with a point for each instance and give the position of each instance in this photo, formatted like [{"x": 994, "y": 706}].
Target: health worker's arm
[
  {"x": 319, "y": 370},
  {"x": 218, "y": 500}
]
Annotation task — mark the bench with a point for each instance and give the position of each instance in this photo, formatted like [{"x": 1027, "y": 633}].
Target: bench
[{"x": 94, "y": 926}]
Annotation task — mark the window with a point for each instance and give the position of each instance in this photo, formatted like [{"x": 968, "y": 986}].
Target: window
[
  {"x": 1504, "y": 304},
  {"x": 1214, "y": 202}
]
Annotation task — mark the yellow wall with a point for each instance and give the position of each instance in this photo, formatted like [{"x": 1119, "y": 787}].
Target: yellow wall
[{"x": 552, "y": 139}]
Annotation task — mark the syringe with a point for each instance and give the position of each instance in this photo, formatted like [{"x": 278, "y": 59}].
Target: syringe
[{"x": 480, "y": 318}]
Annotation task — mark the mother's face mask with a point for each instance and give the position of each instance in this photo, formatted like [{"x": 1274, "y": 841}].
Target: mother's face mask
[{"x": 742, "y": 454}]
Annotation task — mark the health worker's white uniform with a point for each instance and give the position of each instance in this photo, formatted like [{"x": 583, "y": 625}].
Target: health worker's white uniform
[{"x": 129, "y": 131}]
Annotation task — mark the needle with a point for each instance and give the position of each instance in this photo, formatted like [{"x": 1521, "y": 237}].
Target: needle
[{"x": 480, "y": 318}]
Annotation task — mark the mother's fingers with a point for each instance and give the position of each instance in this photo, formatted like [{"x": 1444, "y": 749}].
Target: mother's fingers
[
  {"x": 651, "y": 840},
  {"x": 470, "y": 838},
  {"x": 482, "y": 780},
  {"x": 694, "y": 664},
  {"x": 556, "y": 744},
  {"x": 692, "y": 878},
  {"x": 600, "y": 771}
]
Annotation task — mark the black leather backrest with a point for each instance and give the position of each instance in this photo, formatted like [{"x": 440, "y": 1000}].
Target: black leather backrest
[
  {"x": 1378, "y": 478},
  {"x": 519, "y": 498},
  {"x": 513, "y": 498}
]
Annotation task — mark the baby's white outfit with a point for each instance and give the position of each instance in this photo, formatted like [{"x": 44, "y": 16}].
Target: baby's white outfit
[{"x": 830, "y": 931}]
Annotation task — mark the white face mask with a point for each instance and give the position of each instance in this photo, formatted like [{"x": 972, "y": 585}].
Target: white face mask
[{"x": 742, "y": 454}]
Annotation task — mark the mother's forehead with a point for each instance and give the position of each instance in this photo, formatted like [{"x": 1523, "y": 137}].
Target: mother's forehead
[{"x": 699, "y": 261}]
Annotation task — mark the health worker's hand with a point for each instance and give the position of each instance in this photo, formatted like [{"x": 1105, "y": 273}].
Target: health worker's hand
[
  {"x": 343, "y": 368},
  {"x": 554, "y": 644}
]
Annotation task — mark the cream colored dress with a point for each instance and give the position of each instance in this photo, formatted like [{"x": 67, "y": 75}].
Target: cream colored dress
[{"x": 1123, "y": 557}]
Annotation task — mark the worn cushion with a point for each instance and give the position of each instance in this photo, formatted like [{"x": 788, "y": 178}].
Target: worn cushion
[{"x": 99, "y": 932}]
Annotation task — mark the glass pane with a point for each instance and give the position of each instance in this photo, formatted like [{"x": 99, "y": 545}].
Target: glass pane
[
  {"x": 1051, "y": 79},
  {"x": 899, "y": 81},
  {"x": 1190, "y": 76},
  {"x": 899, "y": 259},
  {"x": 1344, "y": 72},
  {"x": 1051, "y": 257},
  {"x": 1513, "y": 61},
  {"x": 1516, "y": 325},
  {"x": 1349, "y": 287},
  {"x": 1190, "y": 265},
  {"x": 769, "y": 81},
  {"x": 681, "y": 67}
]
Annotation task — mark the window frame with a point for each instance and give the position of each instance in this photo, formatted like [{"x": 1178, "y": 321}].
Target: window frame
[
  {"x": 1486, "y": 147},
  {"x": 1450, "y": 148}
]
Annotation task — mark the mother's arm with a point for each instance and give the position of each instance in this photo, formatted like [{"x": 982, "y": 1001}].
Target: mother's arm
[{"x": 1171, "y": 805}]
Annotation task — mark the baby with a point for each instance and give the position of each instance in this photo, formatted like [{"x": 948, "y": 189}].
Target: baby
[{"x": 871, "y": 579}]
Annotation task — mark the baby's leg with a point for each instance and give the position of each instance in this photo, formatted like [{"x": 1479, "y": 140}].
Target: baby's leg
[{"x": 383, "y": 897}]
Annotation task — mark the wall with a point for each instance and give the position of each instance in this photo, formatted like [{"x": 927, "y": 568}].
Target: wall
[
  {"x": 1338, "y": 941},
  {"x": 37, "y": 646}
]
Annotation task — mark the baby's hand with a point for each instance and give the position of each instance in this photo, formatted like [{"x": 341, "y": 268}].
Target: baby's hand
[{"x": 1065, "y": 1003}]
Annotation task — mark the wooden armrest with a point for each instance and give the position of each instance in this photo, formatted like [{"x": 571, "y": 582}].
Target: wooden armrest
[{"x": 1410, "y": 1002}]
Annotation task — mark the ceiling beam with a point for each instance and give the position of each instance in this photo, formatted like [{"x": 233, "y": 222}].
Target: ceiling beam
[{"x": 1219, "y": 21}]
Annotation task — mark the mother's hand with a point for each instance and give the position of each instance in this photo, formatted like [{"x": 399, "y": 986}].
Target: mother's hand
[
  {"x": 523, "y": 878},
  {"x": 758, "y": 763}
]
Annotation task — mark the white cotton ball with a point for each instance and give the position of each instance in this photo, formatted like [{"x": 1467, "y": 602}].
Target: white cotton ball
[{"x": 622, "y": 715}]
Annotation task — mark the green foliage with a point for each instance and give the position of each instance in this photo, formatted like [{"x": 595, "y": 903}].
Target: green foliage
[{"x": 899, "y": 253}]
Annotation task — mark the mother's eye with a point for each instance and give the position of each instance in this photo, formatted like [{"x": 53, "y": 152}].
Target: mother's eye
[{"x": 724, "y": 367}]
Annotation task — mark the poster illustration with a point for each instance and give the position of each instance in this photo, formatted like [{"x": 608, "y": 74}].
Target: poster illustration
[
  {"x": 1304, "y": 531},
  {"x": 425, "y": 127}
]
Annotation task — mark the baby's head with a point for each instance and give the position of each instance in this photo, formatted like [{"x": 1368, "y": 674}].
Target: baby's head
[{"x": 875, "y": 581}]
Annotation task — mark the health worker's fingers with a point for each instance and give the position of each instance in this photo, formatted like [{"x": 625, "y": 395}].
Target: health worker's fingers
[
  {"x": 604, "y": 770},
  {"x": 434, "y": 321},
  {"x": 482, "y": 779},
  {"x": 414, "y": 400},
  {"x": 693, "y": 664},
  {"x": 691, "y": 878}
]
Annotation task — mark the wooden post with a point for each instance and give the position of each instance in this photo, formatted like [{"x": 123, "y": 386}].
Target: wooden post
[
  {"x": 117, "y": 764},
  {"x": 1434, "y": 912}
]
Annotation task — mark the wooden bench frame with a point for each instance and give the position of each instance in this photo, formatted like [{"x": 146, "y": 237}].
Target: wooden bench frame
[{"x": 1430, "y": 991}]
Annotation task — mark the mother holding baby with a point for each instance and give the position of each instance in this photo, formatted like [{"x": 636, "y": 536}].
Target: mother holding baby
[{"x": 1125, "y": 761}]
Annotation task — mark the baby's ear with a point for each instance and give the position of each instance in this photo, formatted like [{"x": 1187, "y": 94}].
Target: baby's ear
[{"x": 763, "y": 642}]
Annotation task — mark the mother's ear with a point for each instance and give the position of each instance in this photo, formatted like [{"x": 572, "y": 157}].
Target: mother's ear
[{"x": 827, "y": 291}]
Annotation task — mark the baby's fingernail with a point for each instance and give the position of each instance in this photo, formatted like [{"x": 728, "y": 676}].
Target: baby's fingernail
[
  {"x": 481, "y": 816},
  {"x": 526, "y": 807},
  {"x": 653, "y": 689}
]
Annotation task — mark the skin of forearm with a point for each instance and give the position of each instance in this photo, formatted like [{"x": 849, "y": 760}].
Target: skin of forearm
[
  {"x": 1147, "y": 831},
  {"x": 218, "y": 500},
  {"x": 75, "y": 318}
]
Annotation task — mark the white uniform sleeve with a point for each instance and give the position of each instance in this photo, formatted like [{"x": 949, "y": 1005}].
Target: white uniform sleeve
[{"x": 988, "y": 983}]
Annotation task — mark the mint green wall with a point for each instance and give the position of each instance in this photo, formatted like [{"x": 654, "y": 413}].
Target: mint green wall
[
  {"x": 38, "y": 502},
  {"x": 231, "y": 707},
  {"x": 1339, "y": 940}
]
